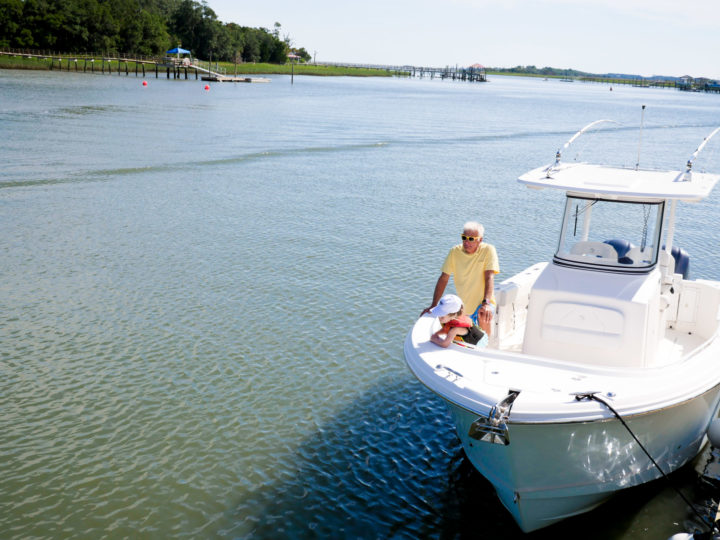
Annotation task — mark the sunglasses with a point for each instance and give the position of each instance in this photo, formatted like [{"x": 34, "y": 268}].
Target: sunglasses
[{"x": 469, "y": 238}]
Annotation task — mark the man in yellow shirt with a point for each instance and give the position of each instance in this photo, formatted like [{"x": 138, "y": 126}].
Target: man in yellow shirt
[{"x": 473, "y": 265}]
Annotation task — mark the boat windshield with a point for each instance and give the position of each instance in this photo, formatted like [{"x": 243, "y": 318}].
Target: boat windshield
[{"x": 603, "y": 233}]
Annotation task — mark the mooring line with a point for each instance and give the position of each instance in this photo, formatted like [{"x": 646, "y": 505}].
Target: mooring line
[{"x": 591, "y": 395}]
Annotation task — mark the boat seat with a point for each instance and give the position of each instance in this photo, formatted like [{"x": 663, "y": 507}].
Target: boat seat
[
  {"x": 620, "y": 245},
  {"x": 682, "y": 261},
  {"x": 599, "y": 250}
]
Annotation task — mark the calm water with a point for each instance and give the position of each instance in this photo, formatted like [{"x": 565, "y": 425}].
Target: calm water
[{"x": 205, "y": 294}]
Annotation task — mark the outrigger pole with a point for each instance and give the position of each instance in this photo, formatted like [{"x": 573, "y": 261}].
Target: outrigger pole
[
  {"x": 688, "y": 170},
  {"x": 558, "y": 155},
  {"x": 684, "y": 177}
]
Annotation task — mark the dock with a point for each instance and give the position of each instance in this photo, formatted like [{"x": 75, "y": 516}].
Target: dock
[
  {"x": 171, "y": 67},
  {"x": 213, "y": 78},
  {"x": 474, "y": 73}
]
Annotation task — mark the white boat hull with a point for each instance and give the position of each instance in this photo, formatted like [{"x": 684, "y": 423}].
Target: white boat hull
[
  {"x": 600, "y": 362},
  {"x": 566, "y": 456},
  {"x": 550, "y": 472}
]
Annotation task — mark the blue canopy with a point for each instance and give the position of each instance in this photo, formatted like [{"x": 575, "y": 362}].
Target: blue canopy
[{"x": 177, "y": 50}]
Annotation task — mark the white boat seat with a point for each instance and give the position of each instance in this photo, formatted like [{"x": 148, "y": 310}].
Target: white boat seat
[{"x": 599, "y": 250}]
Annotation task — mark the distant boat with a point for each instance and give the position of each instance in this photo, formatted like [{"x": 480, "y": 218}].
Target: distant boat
[{"x": 608, "y": 341}]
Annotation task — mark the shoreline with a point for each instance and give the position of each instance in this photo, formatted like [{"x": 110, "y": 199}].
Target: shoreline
[
  {"x": 78, "y": 64},
  {"x": 147, "y": 67}
]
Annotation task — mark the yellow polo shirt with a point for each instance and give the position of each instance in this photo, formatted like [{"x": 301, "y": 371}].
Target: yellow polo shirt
[{"x": 468, "y": 273}]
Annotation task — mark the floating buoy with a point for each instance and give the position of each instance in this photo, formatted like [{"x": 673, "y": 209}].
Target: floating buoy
[
  {"x": 207, "y": 87},
  {"x": 713, "y": 433},
  {"x": 144, "y": 83}
]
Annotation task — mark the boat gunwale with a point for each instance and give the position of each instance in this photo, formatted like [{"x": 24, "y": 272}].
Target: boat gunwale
[
  {"x": 611, "y": 418},
  {"x": 599, "y": 414}
]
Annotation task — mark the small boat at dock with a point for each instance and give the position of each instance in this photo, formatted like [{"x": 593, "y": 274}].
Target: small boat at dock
[{"x": 603, "y": 367}]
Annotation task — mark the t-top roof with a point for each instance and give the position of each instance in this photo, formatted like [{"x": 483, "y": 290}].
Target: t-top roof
[{"x": 622, "y": 182}]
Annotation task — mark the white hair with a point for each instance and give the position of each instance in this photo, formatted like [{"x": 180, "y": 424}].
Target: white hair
[{"x": 474, "y": 226}]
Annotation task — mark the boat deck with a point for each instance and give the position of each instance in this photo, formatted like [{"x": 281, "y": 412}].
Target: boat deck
[
  {"x": 477, "y": 378},
  {"x": 672, "y": 347}
]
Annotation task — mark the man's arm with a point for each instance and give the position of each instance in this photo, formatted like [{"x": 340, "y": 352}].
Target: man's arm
[
  {"x": 489, "y": 285},
  {"x": 485, "y": 313},
  {"x": 439, "y": 290}
]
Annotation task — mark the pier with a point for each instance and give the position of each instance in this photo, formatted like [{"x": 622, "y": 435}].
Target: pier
[
  {"x": 185, "y": 68},
  {"x": 170, "y": 67},
  {"x": 686, "y": 84},
  {"x": 474, "y": 73}
]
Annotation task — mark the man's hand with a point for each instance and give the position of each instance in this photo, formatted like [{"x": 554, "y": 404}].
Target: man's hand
[{"x": 485, "y": 315}]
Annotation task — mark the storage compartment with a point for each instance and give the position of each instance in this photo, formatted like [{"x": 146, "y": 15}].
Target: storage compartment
[{"x": 600, "y": 318}]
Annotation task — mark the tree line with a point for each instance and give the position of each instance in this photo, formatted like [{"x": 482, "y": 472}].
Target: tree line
[
  {"x": 142, "y": 27},
  {"x": 545, "y": 71}
]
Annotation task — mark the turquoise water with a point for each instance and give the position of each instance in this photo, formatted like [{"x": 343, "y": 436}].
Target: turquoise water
[{"x": 205, "y": 296}]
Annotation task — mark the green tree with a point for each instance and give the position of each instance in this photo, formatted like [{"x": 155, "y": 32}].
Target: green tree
[
  {"x": 11, "y": 29},
  {"x": 302, "y": 53},
  {"x": 135, "y": 26}
]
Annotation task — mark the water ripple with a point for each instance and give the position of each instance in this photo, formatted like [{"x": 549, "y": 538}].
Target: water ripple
[{"x": 202, "y": 330}]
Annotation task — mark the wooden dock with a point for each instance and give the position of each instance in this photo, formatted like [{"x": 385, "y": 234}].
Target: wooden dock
[
  {"x": 213, "y": 76},
  {"x": 172, "y": 68},
  {"x": 457, "y": 73},
  {"x": 235, "y": 79},
  {"x": 470, "y": 74}
]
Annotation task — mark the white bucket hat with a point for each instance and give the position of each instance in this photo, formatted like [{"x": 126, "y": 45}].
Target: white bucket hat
[{"x": 449, "y": 303}]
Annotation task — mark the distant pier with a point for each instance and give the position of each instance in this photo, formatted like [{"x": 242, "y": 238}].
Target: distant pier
[
  {"x": 184, "y": 68},
  {"x": 473, "y": 73},
  {"x": 686, "y": 84},
  {"x": 171, "y": 67}
]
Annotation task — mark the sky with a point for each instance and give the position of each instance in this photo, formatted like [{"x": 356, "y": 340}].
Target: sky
[{"x": 642, "y": 37}]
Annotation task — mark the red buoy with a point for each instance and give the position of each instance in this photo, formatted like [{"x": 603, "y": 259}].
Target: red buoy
[
  {"x": 207, "y": 87},
  {"x": 144, "y": 83}
]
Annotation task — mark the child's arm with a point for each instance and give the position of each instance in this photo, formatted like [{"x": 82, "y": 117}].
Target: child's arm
[{"x": 437, "y": 340}]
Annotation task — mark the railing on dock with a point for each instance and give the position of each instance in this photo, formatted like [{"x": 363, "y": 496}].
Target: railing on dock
[
  {"x": 103, "y": 62},
  {"x": 472, "y": 74}
]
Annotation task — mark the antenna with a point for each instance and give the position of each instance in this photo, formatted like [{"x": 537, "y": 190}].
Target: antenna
[{"x": 642, "y": 122}]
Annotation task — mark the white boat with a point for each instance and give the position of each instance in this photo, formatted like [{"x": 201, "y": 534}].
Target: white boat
[{"x": 611, "y": 330}]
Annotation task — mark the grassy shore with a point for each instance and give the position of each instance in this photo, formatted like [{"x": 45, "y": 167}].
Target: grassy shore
[
  {"x": 592, "y": 78},
  {"x": 19, "y": 62},
  {"x": 303, "y": 69}
]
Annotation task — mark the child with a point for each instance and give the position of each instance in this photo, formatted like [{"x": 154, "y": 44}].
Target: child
[{"x": 455, "y": 325}]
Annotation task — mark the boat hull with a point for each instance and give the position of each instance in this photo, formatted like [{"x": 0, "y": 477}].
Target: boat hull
[{"x": 551, "y": 471}]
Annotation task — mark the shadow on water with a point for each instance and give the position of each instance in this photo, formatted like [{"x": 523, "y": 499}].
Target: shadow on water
[
  {"x": 388, "y": 466},
  {"x": 391, "y": 466}
]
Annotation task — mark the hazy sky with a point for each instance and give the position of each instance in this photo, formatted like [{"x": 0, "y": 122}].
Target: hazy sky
[{"x": 645, "y": 37}]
